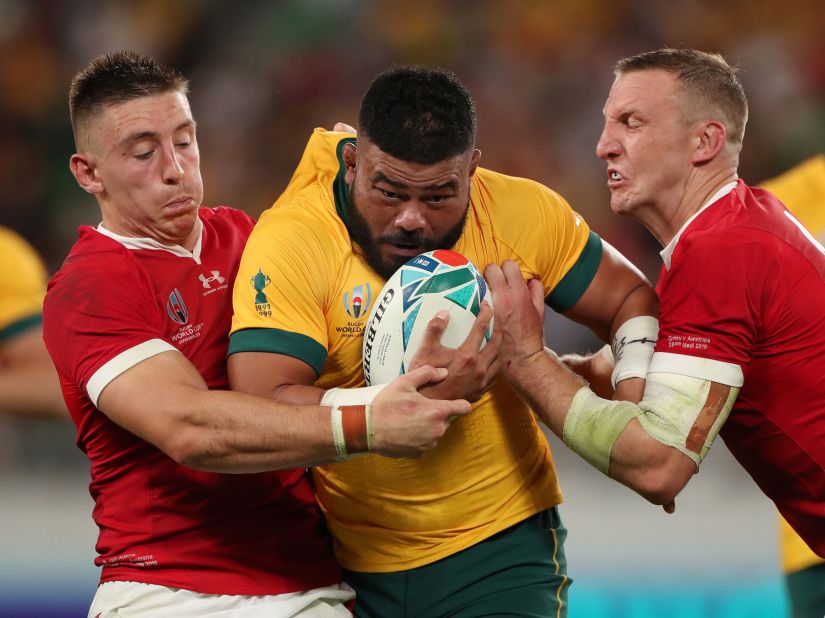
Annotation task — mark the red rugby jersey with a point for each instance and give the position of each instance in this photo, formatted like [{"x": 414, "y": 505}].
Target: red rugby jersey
[
  {"x": 114, "y": 303},
  {"x": 746, "y": 286}
]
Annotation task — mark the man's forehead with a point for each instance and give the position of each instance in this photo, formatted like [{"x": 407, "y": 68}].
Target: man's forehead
[
  {"x": 641, "y": 90},
  {"x": 118, "y": 123},
  {"x": 382, "y": 166},
  {"x": 155, "y": 112}
]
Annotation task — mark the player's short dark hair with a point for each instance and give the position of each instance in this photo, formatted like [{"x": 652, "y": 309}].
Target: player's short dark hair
[
  {"x": 118, "y": 77},
  {"x": 704, "y": 75},
  {"x": 418, "y": 114}
]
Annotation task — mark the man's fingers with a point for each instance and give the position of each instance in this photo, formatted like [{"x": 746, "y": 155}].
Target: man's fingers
[
  {"x": 457, "y": 407},
  {"x": 343, "y": 127},
  {"x": 670, "y": 507},
  {"x": 536, "y": 288},
  {"x": 422, "y": 376},
  {"x": 435, "y": 329},
  {"x": 512, "y": 273},
  {"x": 491, "y": 349},
  {"x": 494, "y": 277},
  {"x": 479, "y": 329}
]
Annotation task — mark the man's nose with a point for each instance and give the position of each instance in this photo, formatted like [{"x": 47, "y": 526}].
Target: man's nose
[
  {"x": 172, "y": 168},
  {"x": 411, "y": 218},
  {"x": 607, "y": 145}
]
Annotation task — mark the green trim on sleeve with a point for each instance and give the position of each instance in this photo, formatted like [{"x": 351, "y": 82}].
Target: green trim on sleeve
[
  {"x": 277, "y": 341},
  {"x": 20, "y": 326},
  {"x": 569, "y": 290},
  {"x": 340, "y": 190}
]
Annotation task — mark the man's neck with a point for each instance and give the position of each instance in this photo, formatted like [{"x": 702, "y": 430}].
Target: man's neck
[
  {"x": 188, "y": 243},
  {"x": 665, "y": 219}
]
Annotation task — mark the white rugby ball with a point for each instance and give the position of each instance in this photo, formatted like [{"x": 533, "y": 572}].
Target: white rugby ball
[{"x": 427, "y": 283}]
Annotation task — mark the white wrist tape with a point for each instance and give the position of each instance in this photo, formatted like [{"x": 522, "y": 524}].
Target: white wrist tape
[
  {"x": 351, "y": 430},
  {"x": 351, "y": 396},
  {"x": 632, "y": 348},
  {"x": 593, "y": 425},
  {"x": 338, "y": 433}
]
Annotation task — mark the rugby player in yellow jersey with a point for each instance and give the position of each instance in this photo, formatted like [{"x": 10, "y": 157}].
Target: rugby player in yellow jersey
[
  {"x": 802, "y": 190},
  {"x": 472, "y": 528},
  {"x": 28, "y": 381}
]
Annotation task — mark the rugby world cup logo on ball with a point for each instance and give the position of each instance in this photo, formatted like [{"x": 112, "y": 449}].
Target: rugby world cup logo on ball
[{"x": 427, "y": 283}]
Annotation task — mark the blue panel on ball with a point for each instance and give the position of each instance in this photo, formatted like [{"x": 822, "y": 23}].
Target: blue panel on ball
[
  {"x": 410, "y": 294},
  {"x": 463, "y": 296},
  {"x": 409, "y": 322},
  {"x": 482, "y": 286},
  {"x": 408, "y": 275}
]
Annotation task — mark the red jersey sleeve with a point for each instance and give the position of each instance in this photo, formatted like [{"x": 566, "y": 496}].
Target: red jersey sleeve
[{"x": 96, "y": 309}]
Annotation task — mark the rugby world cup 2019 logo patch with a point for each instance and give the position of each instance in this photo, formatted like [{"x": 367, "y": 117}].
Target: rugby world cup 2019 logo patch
[
  {"x": 357, "y": 301},
  {"x": 176, "y": 308}
]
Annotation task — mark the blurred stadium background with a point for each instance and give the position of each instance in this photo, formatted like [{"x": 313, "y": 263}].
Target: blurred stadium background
[{"x": 263, "y": 75}]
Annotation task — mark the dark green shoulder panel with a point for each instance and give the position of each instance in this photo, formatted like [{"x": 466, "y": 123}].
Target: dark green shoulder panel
[
  {"x": 277, "y": 341},
  {"x": 569, "y": 290}
]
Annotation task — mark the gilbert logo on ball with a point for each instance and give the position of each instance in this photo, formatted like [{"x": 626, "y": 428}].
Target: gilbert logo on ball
[{"x": 429, "y": 282}]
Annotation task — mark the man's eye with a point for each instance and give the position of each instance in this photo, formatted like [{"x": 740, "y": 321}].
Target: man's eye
[
  {"x": 437, "y": 199},
  {"x": 390, "y": 195},
  {"x": 144, "y": 155}
]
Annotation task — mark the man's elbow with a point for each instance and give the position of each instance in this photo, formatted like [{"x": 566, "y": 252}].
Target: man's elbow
[
  {"x": 661, "y": 482},
  {"x": 659, "y": 488},
  {"x": 193, "y": 447}
]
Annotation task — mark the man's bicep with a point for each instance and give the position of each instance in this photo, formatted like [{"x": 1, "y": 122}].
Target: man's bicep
[
  {"x": 148, "y": 399},
  {"x": 617, "y": 286},
  {"x": 270, "y": 375}
]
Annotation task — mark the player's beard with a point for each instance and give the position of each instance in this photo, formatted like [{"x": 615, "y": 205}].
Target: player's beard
[{"x": 359, "y": 231}]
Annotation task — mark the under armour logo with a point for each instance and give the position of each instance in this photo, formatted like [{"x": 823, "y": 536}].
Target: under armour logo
[{"x": 207, "y": 281}]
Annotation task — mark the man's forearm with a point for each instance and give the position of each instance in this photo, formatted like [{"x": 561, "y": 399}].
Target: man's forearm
[
  {"x": 607, "y": 435},
  {"x": 547, "y": 385}
]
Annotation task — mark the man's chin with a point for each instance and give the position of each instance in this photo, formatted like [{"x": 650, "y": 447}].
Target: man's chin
[{"x": 386, "y": 263}]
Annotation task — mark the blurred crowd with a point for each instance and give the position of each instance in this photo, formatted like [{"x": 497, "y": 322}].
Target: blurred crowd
[{"x": 264, "y": 73}]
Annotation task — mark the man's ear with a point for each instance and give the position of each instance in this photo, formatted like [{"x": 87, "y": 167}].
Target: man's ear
[
  {"x": 476, "y": 157},
  {"x": 350, "y": 156},
  {"x": 712, "y": 136},
  {"x": 83, "y": 168}
]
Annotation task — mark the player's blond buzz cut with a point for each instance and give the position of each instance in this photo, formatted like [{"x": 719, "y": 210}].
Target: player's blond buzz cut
[
  {"x": 115, "y": 78},
  {"x": 706, "y": 77}
]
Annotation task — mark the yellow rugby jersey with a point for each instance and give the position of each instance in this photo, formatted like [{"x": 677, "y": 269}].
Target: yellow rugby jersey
[
  {"x": 802, "y": 190},
  {"x": 793, "y": 551},
  {"x": 22, "y": 285},
  {"x": 304, "y": 289}
]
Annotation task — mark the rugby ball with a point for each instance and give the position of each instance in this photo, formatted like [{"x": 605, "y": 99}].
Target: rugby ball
[{"x": 427, "y": 283}]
